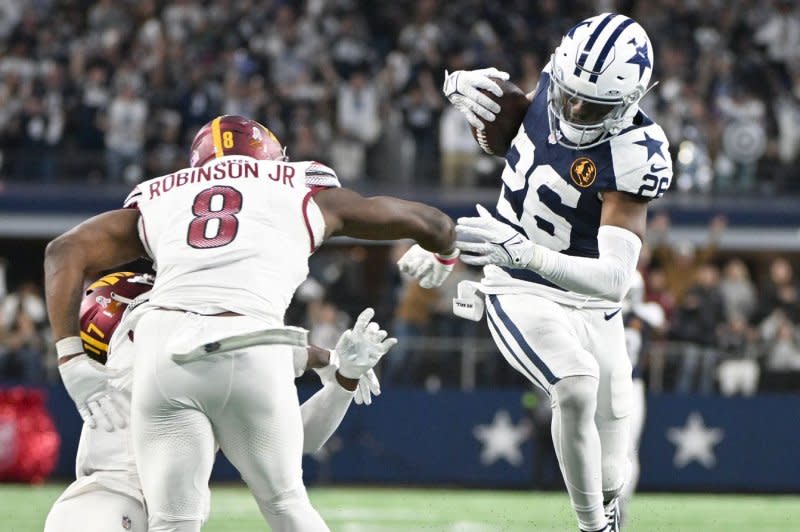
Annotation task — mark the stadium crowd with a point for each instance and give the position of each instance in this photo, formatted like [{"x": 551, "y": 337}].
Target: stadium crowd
[
  {"x": 110, "y": 90},
  {"x": 733, "y": 327}
]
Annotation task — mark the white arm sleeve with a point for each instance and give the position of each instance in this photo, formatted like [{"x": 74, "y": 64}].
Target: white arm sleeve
[
  {"x": 300, "y": 356},
  {"x": 608, "y": 276},
  {"x": 322, "y": 414}
]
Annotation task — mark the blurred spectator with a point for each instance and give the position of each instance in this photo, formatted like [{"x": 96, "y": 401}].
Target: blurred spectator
[
  {"x": 167, "y": 155},
  {"x": 459, "y": 150},
  {"x": 784, "y": 354},
  {"x": 782, "y": 366},
  {"x": 93, "y": 100},
  {"x": 358, "y": 126},
  {"x": 779, "y": 292},
  {"x": 125, "y": 135},
  {"x": 696, "y": 323},
  {"x": 739, "y": 371},
  {"x": 738, "y": 292},
  {"x": 22, "y": 316},
  {"x": 325, "y": 323},
  {"x": 681, "y": 261},
  {"x": 412, "y": 318},
  {"x": 421, "y": 107}
]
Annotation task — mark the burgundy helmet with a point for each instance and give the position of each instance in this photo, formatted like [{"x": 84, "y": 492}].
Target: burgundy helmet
[
  {"x": 235, "y": 135},
  {"x": 103, "y": 304}
]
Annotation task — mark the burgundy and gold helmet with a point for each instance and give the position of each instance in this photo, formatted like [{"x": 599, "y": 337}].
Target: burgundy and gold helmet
[
  {"x": 103, "y": 305},
  {"x": 235, "y": 135}
]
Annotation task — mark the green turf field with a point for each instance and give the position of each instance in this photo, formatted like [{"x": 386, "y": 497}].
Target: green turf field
[{"x": 23, "y": 508}]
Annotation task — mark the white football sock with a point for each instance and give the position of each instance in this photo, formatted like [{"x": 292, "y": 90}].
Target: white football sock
[{"x": 577, "y": 445}]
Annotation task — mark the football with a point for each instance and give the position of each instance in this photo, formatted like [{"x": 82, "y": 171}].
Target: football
[{"x": 496, "y": 137}]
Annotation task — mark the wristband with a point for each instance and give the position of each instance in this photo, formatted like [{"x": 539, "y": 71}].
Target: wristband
[
  {"x": 447, "y": 259},
  {"x": 69, "y": 346}
]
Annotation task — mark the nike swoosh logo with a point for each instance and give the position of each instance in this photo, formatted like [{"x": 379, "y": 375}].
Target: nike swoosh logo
[
  {"x": 513, "y": 241},
  {"x": 608, "y": 316},
  {"x": 655, "y": 169}
]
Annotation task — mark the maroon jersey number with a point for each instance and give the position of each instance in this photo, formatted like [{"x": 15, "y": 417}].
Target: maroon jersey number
[{"x": 214, "y": 227}]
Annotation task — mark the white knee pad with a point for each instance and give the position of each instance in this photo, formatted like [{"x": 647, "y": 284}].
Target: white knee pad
[{"x": 576, "y": 396}]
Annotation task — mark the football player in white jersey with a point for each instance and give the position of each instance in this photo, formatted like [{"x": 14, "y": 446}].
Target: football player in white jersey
[
  {"x": 640, "y": 320},
  {"x": 106, "y": 494},
  {"x": 230, "y": 239},
  {"x": 561, "y": 249}
]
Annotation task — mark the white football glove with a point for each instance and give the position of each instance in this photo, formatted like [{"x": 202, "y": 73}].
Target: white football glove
[
  {"x": 368, "y": 385},
  {"x": 430, "y": 269},
  {"x": 486, "y": 240},
  {"x": 463, "y": 89},
  {"x": 360, "y": 348},
  {"x": 87, "y": 383}
]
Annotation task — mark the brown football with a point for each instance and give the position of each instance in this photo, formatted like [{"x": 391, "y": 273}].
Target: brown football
[{"x": 496, "y": 137}]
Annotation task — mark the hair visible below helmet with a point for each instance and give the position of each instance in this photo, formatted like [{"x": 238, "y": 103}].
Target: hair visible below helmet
[
  {"x": 598, "y": 74},
  {"x": 102, "y": 307},
  {"x": 235, "y": 135}
]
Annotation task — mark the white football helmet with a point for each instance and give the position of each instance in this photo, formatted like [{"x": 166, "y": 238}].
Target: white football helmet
[{"x": 598, "y": 74}]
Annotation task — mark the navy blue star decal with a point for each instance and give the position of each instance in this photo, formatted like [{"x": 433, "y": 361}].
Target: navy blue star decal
[
  {"x": 653, "y": 146},
  {"x": 640, "y": 58}
]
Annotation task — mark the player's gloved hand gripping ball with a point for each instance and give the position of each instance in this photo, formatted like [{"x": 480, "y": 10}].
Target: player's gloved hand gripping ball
[
  {"x": 430, "y": 269},
  {"x": 493, "y": 106},
  {"x": 465, "y": 90}
]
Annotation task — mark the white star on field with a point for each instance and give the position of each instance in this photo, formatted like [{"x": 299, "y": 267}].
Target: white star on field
[
  {"x": 695, "y": 441},
  {"x": 502, "y": 439}
]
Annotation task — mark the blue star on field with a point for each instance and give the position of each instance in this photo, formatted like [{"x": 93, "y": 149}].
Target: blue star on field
[
  {"x": 640, "y": 58},
  {"x": 653, "y": 146}
]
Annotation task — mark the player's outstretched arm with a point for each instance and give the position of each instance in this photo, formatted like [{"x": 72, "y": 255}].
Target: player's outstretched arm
[
  {"x": 386, "y": 218},
  {"x": 358, "y": 350},
  {"x": 348, "y": 213},
  {"x": 486, "y": 240},
  {"x": 102, "y": 242}
]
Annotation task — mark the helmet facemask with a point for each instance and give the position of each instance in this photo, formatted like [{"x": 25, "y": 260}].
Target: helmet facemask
[
  {"x": 579, "y": 121},
  {"x": 598, "y": 75}
]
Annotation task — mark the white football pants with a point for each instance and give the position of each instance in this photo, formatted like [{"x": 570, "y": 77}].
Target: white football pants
[
  {"x": 245, "y": 401},
  {"x": 97, "y": 511},
  {"x": 578, "y": 356}
]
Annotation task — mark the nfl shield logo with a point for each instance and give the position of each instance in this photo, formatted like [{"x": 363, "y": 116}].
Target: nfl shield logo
[{"x": 126, "y": 522}]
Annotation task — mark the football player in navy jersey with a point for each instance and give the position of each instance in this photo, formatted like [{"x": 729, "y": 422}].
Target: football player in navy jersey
[{"x": 561, "y": 249}]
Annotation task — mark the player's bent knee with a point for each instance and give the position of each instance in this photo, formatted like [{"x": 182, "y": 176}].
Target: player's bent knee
[
  {"x": 576, "y": 394},
  {"x": 285, "y": 502}
]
